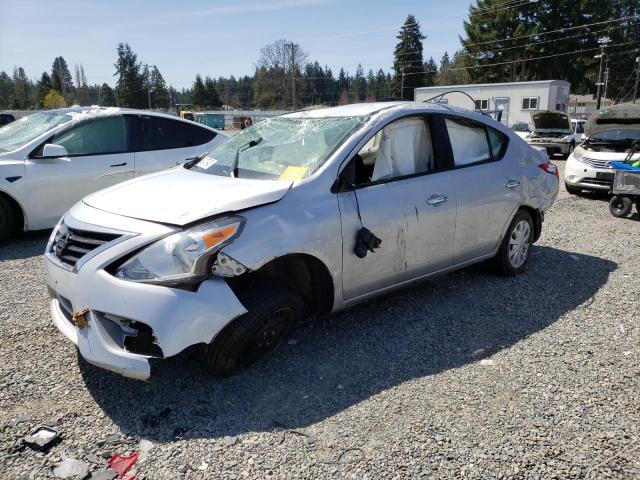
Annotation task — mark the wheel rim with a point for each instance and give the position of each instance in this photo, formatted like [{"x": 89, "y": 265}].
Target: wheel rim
[
  {"x": 519, "y": 243},
  {"x": 267, "y": 336},
  {"x": 618, "y": 204}
]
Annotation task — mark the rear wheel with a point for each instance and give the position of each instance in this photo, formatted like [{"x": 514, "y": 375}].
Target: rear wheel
[
  {"x": 271, "y": 314},
  {"x": 620, "y": 206},
  {"x": 7, "y": 219},
  {"x": 572, "y": 190},
  {"x": 516, "y": 245}
]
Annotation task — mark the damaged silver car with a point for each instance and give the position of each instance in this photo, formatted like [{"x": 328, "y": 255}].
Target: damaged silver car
[{"x": 297, "y": 216}]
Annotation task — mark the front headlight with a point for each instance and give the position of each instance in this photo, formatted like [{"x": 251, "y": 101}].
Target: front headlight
[
  {"x": 183, "y": 255},
  {"x": 578, "y": 153}
]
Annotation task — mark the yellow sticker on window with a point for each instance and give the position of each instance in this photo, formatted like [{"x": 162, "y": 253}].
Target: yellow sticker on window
[{"x": 293, "y": 173}]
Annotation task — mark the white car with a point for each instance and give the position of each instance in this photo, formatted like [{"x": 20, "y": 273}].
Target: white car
[
  {"x": 50, "y": 160},
  {"x": 609, "y": 134},
  {"x": 555, "y": 132}
]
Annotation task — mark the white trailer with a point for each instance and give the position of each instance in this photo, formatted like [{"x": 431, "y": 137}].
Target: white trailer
[{"x": 516, "y": 99}]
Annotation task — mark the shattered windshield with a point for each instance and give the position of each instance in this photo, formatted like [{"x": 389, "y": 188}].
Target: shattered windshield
[
  {"x": 279, "y": 148},
  {"x": 21, "y": 131}
]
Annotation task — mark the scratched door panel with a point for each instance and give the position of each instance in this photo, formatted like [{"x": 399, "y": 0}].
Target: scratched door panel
[{"x": 417, "y": 238}]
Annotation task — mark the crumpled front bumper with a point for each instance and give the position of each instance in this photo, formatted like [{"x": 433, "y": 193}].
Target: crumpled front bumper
[{"x": 178, "y": 318}]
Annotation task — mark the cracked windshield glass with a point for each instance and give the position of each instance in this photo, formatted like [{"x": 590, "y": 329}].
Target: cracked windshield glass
[{"x": 279, "y": 148}]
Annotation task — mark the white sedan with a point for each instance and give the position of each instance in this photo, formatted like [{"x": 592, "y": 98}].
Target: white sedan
[{"x": 50, "y": 160}]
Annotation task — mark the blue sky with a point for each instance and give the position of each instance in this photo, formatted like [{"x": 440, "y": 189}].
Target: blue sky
[{"x": 215, "y": 37}]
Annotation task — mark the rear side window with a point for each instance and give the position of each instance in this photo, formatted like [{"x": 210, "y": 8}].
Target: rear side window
[
  {"x": 468, "y": 142},
  {"x": 95, "y": 137},
  {"x": 498, "y": 141},
  {"x": 157, "y": 133}
]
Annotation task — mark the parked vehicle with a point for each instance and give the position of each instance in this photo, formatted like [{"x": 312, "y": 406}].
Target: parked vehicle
[
  {"x": 522, "y": 129},
  {"x": 6, "y": 119},
  {"x": 295, "y": 216},
  {"x": 555, "y": 132},
  {"x": 609, "y": 136},
  {"x": 50, "y": 160}
]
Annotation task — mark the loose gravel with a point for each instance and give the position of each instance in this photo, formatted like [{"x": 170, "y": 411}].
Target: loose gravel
[{"x": 465, "y": 376}]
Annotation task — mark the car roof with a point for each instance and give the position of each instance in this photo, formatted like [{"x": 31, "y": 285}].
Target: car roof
[
  {"x": 81, "y": 113},
  {"x": 367, "y": 109}
]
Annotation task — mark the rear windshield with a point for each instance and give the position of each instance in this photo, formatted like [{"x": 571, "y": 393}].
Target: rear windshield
[
  {"x": 279, "y": 148},
  {"x": 22, "y": 131}
]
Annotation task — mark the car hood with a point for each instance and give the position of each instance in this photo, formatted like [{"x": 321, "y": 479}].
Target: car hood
[
  {"x": 626, "y": 116},
  {"x": 179, "y": 196},
  {"x": 551, "y": 122}
]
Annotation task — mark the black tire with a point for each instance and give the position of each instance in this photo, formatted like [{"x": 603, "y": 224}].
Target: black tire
[
  {"x": 620, "y": 206},
  {"x": 7, "y": 219},
  {"x": 638, "y": 207},
  {"x": 271, "y": 315},
  {"x": 572, "y": 190},
  {"x": 504, "y": 262}
]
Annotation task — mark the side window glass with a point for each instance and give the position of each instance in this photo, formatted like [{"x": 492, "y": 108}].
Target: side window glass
[
  {"x": 99, "y": 136},
  {"x": 498, "y": 141},
  {"x": 401, "y": 148},
  {"x": 468, "y": 142},
  {"x": 159, "y": 133}
]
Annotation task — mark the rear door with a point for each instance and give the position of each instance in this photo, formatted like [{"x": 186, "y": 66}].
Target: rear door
[
  {"x": 488, "y": 186},
  {"x": 98, "y": 157},
  {"x": 405, "y": 196},
  {"x": 162, "y": 143}
]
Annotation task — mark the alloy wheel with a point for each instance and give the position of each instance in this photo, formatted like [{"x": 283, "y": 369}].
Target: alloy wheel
[{"x": 519, "y": 243}]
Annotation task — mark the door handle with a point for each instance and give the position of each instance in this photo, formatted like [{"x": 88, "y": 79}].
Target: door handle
[
  {"x": 512, "y": 184},
  {"x": 436, "y": 199},
  {"x": 118, "y": 164}
]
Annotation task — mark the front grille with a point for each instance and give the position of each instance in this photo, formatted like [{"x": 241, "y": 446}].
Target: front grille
[
  {"x": 595, "y": 163},
  {"x": 71, "y": 244},
  {"x": 598, "y": 181}
]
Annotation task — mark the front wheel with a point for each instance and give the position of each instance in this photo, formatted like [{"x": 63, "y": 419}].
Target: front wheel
[
  {"x": 620, "y": 206},
  {"x": 516, "y": 245},
  {"x": 271, "y": 315},
  {"x": 7, "y": 219}
]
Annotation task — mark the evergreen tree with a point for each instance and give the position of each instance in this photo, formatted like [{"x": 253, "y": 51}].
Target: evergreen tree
[
  {"x": 106, "y": 97},
  {"x": 42, "y": 88},
  {"x": 6, "y": 89},
  {"x": 198, "y": 93},
  {"x": 359, "y": 86},
  {"x": 430, "y": 73},
  {"x": 408, "y": 64},
  {"x": 158, "y": 89},
  {"x": 82, "y": 88},
  {"x": 21, "y": 90},
  {"x": 61, "y": 79},
  {"x": 129, "y": 86},
  {"x": 211, "y": 94}
]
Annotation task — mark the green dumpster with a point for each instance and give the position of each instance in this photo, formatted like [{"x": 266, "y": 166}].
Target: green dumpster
[{"x": 213, "y": 120}]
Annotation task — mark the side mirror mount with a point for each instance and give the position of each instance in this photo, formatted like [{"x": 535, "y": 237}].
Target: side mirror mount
[
  {"x": 347, "y": 179},
  {"x": 53, "y": 150}
]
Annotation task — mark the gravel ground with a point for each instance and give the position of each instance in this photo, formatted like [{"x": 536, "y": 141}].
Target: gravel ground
[{"x": 465, "y": 376}]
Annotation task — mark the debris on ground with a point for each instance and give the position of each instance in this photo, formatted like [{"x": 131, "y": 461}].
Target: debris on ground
[
  {"x": 71, "y": 468},
  {"x": 122, "y": 463},
  {"x": 13, "y": 421},
  {"x": 42, "y": 438}
]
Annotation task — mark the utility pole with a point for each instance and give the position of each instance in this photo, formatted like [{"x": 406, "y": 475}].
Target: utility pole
[
  {"x": 293, "y": 47},
  {"x": 603, "y": 42},
  {"x": 148, "y": 85},
  {"x": 635, "y": 88}
]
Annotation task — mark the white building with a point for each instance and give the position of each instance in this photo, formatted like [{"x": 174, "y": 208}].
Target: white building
[{"x": 516, "y": 99}]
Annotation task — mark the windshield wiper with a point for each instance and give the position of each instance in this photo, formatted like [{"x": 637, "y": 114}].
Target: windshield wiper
[{"x": 246, "y": 146}]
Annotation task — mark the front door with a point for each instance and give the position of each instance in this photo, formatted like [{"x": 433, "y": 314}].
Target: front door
[
  {"x": 405, "y": 201},
  {"x": 98, "y": 158}
]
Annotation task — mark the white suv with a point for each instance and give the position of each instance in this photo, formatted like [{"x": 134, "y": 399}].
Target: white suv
[{"x": 50, "y": 160}]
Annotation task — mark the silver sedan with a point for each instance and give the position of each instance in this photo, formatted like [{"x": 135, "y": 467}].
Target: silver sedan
[{"x": 299, "y": 215}]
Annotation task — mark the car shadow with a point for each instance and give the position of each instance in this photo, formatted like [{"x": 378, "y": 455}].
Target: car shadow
[
  {"x": 24, "y": 245},
  {"x": 440, "y": 324}
]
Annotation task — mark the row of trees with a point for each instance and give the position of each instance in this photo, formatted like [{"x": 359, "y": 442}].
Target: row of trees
[{"x": 504, "y": 41}]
